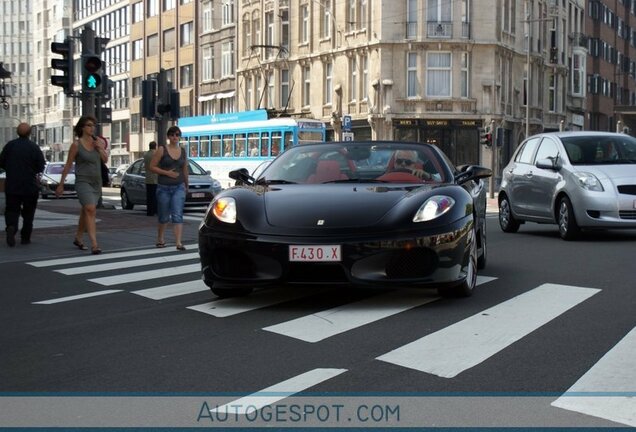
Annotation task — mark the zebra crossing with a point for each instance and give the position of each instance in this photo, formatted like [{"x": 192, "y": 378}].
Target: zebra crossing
[{"x": 606, "y": 391}]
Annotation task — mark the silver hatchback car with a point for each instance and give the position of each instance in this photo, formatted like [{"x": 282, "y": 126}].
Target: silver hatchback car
[
  {"x": 577, "y": 180},
  {"x": 201, "y": 187}
]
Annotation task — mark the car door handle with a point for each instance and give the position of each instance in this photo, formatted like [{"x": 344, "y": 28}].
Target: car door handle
[{"x": 529, "y": 174}]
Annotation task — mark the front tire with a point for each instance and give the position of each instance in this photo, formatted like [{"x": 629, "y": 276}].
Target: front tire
[
  {"x": 125, "y": 201},
  {"x": 507, "y": 221},
  {"x": 465, "y": 289},
  {"x": 568, "y": 228}
]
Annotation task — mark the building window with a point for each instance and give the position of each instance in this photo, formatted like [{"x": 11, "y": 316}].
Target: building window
[
  {"x": 169, "y": 4},
  {"x": 306, "y": 86},
  {"x": 304, "y": 23},
  {"x": 284, "y": 87},
  {"x": 187, "y": 33},
  {"x": 353, "y": 81},
  {"x": 249, "y": 97},
  {"x": 136, "y": 86},
  {"x": 227, "y": 52},
  {"x": 185, "y": 74},
  {"x": 152, "y": 8},
  {"x": 206, "y": 16},
  {"x": 438, "y": 74},
  {"x": 269, "y": 34},
  {"x": 138, "y": 12},
  {"x": 168, "y": 39},
  {"x": 328, "y": 83},
  {"x": 270, "y": 89},
  {"x": 464, "y": 81},
  {"x": 411, "y": 19},
  {"x": 553, "y": 81},
  {"x": 326, "y": 19},
  {"x": 153, "y": 45},
  {"x": 578, "y": 74},
  {"x": 364, "y": 62},
  {"x": 207, "y": 68},
  {"x": 227, "y": 10},
  {"x": 284, "y": 28},
  {"x": 411, "y": 74},
  {"x": 138, "y": 49},
  {"x": 247, "y": 35}
]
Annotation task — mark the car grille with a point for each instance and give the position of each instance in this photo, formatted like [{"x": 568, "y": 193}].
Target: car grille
[
  {"x": 627, "y": 189},
  {"x": 414, "y": 263},
  {"x": 627, "y": 214},
  {"x": 198, "y": 186},
  {"x": 233, "y": 263},
  {"x": 306, "y": 273}
]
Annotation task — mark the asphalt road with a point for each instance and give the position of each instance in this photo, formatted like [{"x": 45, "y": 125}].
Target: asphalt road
[{"x": 548, "y": 317}]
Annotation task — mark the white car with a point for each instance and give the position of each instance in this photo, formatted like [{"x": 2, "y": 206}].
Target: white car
[
  {"x": 115, "y": 180},
  {"x": 51, "y": 178}
]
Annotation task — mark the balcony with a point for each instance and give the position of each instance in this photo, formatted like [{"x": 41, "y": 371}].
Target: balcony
[
  {"x": 578, "y": 40},
  {"x": 439, "y": 29}
]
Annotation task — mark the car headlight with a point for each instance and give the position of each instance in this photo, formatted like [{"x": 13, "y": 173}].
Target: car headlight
[
  {"x": 589, "y": 181},
  {"x": 216, "y": 184},
  {"x": 224, "y": 209},
  {"x": 433, "y": 208}
]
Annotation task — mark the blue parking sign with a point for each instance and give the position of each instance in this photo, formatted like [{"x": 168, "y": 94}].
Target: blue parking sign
[{"x": 346, "y": 123}]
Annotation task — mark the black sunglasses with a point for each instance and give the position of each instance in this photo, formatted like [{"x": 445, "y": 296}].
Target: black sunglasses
[{"x": 406, "y": 162}]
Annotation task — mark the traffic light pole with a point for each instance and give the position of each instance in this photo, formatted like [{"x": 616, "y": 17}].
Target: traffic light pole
[
  {"x": 161, "y": 124},
  {"x": 493, "y": 157}
]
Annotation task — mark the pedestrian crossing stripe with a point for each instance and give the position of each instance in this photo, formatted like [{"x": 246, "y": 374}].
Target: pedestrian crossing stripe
[{"x": 467, "y": 343}]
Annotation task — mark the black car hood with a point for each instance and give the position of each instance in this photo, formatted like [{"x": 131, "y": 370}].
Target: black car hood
[{"x": 335, "y": 205}]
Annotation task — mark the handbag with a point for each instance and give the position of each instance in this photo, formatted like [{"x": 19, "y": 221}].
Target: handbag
[{"x": 105, "y": 175}]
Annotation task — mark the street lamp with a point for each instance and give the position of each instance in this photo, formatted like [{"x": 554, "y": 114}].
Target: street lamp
[{"x": 4, "y": 75}]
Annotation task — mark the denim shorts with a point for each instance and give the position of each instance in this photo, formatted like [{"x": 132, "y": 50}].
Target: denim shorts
[{"x": 170, "y": 202}]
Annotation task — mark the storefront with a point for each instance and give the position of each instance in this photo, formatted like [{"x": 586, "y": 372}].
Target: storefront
[{"x": 458, "y": 138}]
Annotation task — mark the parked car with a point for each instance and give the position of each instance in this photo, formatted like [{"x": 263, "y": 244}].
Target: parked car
[
  {"x": 322, "y": 213},
  {"x": 115, "y": 180},
  {"x": 201, "y": 187},
  {"x": 51, "y": 178},
  {"x": 577, "y": 180}
]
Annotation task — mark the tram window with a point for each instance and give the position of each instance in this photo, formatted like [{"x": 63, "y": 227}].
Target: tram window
[
  {"x": 253, "y": 141},
  {"x": 289, "y": 140},
  {"x": 241, "y": 144},
  {"x": 216, "y": 145},
  {"x": 265, "y": 145},
  {"x": 194, "y": 147},
  {"x": 228, "y": 150},
  {"x": 277, "y": 143},
  {"x": 204, "y": 146},
  {"x": 309, "y": 136}
]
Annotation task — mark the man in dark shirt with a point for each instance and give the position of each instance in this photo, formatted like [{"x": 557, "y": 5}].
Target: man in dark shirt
[{"x": 23, "y": 161}]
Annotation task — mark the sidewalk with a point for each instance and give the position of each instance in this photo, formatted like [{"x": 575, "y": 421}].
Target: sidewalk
[{"x": 56, "y": 222}]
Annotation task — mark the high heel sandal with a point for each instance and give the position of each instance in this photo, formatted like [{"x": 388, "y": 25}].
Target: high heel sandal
[
  {"x": 96, "y": 250},
  {"x": 79, "y": 245}
]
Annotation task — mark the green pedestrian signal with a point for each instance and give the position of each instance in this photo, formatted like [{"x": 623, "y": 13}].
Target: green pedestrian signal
[{"x": 91, "y": 73}]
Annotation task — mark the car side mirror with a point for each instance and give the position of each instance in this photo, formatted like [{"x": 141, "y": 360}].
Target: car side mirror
[
  {"x": 472, "y": 172},
  {"x": 241, "y": 176},
  {"x": 546, "y": 163}
]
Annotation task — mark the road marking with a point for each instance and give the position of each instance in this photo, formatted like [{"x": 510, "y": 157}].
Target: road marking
[
  {"x": 467, "y": 343},
  {"x": 277, "y": 392},
  {"x": 173, "y": 290},
  {"x": 107, "y": 256},
  {"x": 127, "y": 264},
  {"x": 77, "y": 297},
  {"x": 614, "y": 377},
  {"x": 324, "y": 324},
  {"x": 222, "y": 308},
  {"x": 145, "y": 275}
]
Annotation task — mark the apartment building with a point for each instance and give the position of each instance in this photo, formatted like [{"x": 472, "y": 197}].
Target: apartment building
[
  {"x": 611, "y": 85},
  {"x": 424, "y": 70},
  {"x": 16, "y": 55}
]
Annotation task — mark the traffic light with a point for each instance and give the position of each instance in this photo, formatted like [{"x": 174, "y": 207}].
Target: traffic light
[
  {"x": 92, "y": 74},
  {"x": 149, "y": 99},
  {"x": 485, "y": 137},
  {"x": 65, "y": 64}
]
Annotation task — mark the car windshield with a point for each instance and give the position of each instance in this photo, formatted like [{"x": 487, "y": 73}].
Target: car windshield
[
  {"x": 367, "y": 162},
  {"x": 194, "y": 169},
  {"x": 58, "y": 168},
  {"x": 600, "y": 149}
]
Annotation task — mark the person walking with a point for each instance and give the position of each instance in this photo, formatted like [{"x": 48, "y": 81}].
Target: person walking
[
  {"x": 23, "y": 162},
  {"x": 170, "y": 162},
  {"x": 151, "y": 180},
  {"x": 87, "y": 152}
]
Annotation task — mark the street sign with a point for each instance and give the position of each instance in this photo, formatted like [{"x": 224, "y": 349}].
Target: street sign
[
  {"x": 347, "y": 136},
  {"x": 346, "y": 123}
]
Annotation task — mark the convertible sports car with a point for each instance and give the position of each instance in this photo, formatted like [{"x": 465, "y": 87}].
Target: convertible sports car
[{"x": 385, "y": 214}]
